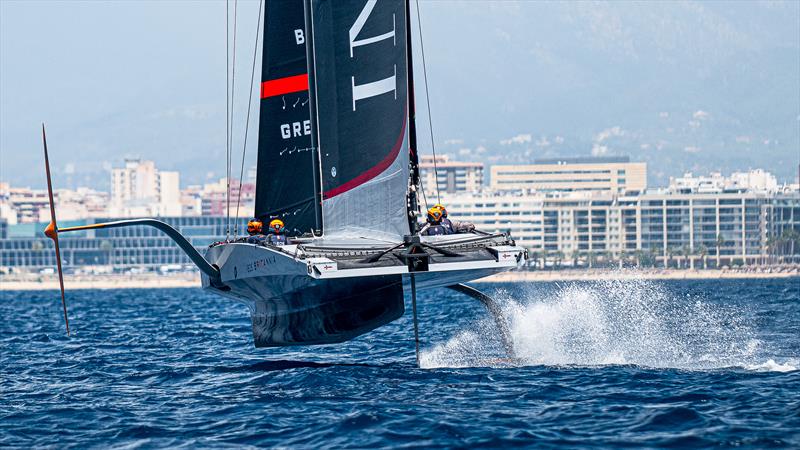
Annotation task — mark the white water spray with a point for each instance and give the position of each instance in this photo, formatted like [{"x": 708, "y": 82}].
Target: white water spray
[{"x": 612, "y": 322}]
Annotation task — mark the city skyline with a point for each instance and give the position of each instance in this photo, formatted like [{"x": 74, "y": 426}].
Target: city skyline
[
  {"x": 65, "y": 176},
  {"x": 705, "y": 221}
]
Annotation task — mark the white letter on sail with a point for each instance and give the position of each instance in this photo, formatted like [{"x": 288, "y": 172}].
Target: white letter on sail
[
  {"x": 379, "y": 87},
  {"x": 374, "y": 88}
]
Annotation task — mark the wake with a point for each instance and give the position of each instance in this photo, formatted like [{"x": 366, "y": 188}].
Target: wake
[{"x": 618, "y": 322}]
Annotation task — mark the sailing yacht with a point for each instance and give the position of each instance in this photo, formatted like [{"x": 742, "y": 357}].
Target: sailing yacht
[{"x": 337, "y": 162}]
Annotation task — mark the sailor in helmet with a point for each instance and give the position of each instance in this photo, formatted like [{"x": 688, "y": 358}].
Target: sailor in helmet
[
  {"x": 451, "y": 226},
  {"x": 276, "y": 234},
  {"x": 254, "y": 229},
  {"x": 434, "y": 226}
]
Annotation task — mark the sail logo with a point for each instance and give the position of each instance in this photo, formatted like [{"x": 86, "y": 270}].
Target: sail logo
[
  {"x": 296, "y": 129},
  {"x": 374, "y": 88}
]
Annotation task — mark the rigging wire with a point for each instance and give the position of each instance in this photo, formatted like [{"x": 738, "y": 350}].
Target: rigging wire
[
  {"x": 230, "y": 126},
  {"x": 247, "y": 122},
  {"x": 424, "y": 198},
  {"x": 428, "y": 103},
  {"x": 233, "y": 104},
  {"x": 227, "y": 111}
]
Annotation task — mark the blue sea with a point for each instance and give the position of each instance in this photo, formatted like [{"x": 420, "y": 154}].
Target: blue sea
[{"x": 602, "y": 364}]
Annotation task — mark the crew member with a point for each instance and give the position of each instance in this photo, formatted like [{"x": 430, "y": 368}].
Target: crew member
[
  {"x": 276, "y": 230},
  {"x": 434, "y": 226},
  {"x": 254, "y": 229},
  {"x": 454, "y": 227}
]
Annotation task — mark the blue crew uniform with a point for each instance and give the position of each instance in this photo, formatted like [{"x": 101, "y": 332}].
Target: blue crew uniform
[
  {"x": 448, "y": 226},
  {"x": 258, "y": 239},
  {"x": 276, "y": 239},
  {"x": 436, "y": 230}
]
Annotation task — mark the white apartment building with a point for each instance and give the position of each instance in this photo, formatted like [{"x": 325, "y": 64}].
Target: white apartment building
[
  {"x": 450, "y": 176},
  {"x": 23, "y": 205},
  {"x": 521, "y": 214},
  {"x": 591, "y": 174},
  {"x": 754, "y": 180},
  {"x": 26, "y": 205},
  {"x": 140, "y": 189}
]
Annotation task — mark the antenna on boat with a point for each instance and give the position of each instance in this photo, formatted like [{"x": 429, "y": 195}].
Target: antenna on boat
[{"x": 52, "y": 229}]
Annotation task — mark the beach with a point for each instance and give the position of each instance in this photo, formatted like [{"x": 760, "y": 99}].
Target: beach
[{"x": 28, "y": 282}]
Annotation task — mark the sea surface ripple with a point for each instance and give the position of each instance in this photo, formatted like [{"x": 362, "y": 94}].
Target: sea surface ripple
[{"x": 604, "y": 364}]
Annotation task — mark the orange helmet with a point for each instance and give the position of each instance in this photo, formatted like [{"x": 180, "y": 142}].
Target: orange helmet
[
  {"x": 441, "y": 207},
  {"x": 434, "y": 215},
  {"x": 254, "y": 226},
  {"x": 276, "y": 226}
]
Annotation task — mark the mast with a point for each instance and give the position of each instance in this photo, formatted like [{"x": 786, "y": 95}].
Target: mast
[
  {"x": 414, "y": 184},
  {"x": 316, "y": 163}
]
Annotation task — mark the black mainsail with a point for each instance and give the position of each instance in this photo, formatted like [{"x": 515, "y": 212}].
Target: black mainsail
[
  {"x": 287, "y": 161},
  {"x": 361, "y": 95}
]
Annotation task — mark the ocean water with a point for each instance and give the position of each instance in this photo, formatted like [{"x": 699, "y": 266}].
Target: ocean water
[{"x": 605, "y": 364}]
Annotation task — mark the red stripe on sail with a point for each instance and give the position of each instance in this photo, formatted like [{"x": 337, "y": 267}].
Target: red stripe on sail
[
  {"x": 372, "y": 172},
  {"x": 285, "y": 85}
]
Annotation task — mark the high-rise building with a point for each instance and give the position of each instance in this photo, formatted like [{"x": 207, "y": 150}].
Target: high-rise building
[
  {"x": 450, "y": 176},
  {"x": 140, "y": 189},
  {"x": 169, "y": 194},
  {"x": 606, "y": 174},
  {"x": 137, "y": 181}
]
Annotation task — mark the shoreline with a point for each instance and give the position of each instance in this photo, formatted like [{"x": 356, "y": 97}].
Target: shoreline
[
  {"x": 632, "y": 274},
  {"x": 146, "y": 281}
]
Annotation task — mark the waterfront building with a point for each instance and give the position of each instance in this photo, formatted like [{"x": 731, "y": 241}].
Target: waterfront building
[
  {"x": 690, "y": 223},
  {"x": 450, "y": 176},
  {"x": 595, "y": 174},
  {"x": 518, "y": 213},
  {"x": 123, "y": 248},
  {"x": 664, "y": 227}
]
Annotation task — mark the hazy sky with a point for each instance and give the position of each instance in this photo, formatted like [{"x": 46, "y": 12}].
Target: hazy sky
[
  {"x": 109, "y": 78},
  {"x": 682, "y": 85}
]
